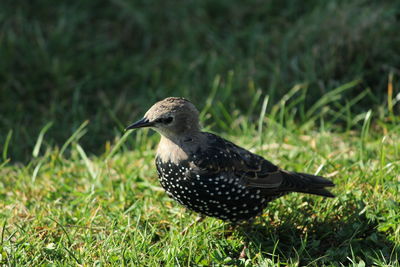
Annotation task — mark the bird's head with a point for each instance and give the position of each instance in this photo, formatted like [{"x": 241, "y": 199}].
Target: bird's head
[{"x": 171, "y": 117}]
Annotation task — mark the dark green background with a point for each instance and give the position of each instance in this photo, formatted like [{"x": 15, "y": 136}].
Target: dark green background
[{"x": 108, "y": 61}]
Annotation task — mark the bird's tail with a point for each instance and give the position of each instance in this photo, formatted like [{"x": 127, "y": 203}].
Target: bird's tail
[{"x": 307, "y": 183}]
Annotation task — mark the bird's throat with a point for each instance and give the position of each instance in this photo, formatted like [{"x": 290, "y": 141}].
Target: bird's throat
[{"x": 169, "y": 150}]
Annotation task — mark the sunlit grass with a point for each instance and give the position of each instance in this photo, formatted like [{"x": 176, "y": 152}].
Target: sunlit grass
[{"x": 67, "y": 206}]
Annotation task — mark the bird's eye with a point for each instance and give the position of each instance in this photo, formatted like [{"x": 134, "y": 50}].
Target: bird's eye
[
  {"x": 165, "y": 120},
  {"x": 168, "y": 120}
]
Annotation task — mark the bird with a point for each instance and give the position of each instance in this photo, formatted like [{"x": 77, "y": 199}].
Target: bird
[{"x": 213, "y": 176}]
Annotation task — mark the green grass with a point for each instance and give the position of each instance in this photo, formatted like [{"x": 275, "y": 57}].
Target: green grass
[
  {"x": 312, "y": 86},
  {"x": 69, "y": 208}
]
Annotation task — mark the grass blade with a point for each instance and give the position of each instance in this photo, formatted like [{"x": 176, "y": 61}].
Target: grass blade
[
  {"x": 36, "y": 149},
  {"x": 116, "y": 147},
  {"x": 88, "y": 163},
  {"x": 36, "y": 171},
  {"x": 390, "y": 94},
  {"x": 330, "y": 96},
  {"x": 6, "y": 145},
  {"x": 253, "y": 102},
  {"x": 211, "y": 97},
  {"x": 262, "y": 115},
  {"x": 364, "y": 133},
  {"x": 74, "y": 137}
]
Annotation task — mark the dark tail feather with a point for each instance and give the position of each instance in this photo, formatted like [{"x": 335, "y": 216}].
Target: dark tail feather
[{"x": 307, "y": 183}]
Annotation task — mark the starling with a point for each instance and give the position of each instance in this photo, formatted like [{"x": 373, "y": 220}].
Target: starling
[{"x": 212, "y": 176}]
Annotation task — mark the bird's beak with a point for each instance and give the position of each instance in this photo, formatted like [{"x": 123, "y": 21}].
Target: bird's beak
[{"x": 139, "y": 124}]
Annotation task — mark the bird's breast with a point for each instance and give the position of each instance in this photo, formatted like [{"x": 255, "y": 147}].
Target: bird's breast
[
  {"x": 168, "y": 151},
  {"x": 213, "y": 194}
]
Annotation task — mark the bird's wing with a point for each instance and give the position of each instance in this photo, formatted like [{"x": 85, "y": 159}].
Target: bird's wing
[{"x": 221, "y": 155}]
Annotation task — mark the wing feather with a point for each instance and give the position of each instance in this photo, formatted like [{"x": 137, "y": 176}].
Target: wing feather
[{"x": 221, "y": 155}]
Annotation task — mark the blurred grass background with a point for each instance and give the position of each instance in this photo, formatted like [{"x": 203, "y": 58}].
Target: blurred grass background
[{"x": 107, "y": 61}]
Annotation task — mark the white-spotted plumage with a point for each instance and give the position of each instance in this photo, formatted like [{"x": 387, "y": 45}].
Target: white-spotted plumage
[{"x": 213, "y": 176}]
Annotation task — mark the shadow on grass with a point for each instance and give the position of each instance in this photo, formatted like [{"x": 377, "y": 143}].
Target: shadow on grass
[{"x": 333, "y": 240}]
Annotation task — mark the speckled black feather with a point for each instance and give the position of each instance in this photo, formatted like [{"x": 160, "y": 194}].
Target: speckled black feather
[{"x": 226, "y": 181}]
